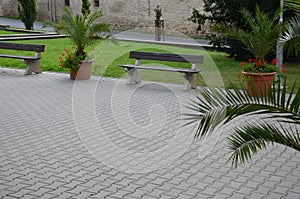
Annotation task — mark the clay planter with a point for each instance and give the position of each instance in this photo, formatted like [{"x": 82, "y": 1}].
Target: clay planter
[
  {"x": 84, "y": 72},
  {"x": 258, "y": 84}
]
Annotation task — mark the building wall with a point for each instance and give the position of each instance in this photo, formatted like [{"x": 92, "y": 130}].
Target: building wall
[
  {"x": 9, "y": 8},
  {"x": 123, "y": 14}
]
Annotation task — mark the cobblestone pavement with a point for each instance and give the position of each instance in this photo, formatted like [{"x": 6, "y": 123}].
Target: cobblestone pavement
[{"x": 103, "y": 139}]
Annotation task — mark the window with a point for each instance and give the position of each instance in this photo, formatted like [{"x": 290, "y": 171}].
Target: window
[
  {"x": 96, "y": 3},
  {"x": 67, "y": 2}
]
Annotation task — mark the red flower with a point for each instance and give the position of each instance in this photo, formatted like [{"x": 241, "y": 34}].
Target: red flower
[
  {"x": 67, "y": 50},
  {"x": 70, "y": 57},
  {"x": 274, "y": 61},
  {"x": 63, "y": 54},
  {"x": 60, "y": 59},
  {"x": 242, "y": 63},
  {"x": 250, "y": 60},
  {"x": 98, "y": 66},
  {"x": 284, "y": 71},
  {"x": 258, "y": 63},
  {"x": 282, "y": 65}
]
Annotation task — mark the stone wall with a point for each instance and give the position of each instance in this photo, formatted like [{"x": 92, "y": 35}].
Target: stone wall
[
  {"x": 139, "y": 14},
  {"x": 9, "y": 8},
  {"x": 124, "y": 14}
]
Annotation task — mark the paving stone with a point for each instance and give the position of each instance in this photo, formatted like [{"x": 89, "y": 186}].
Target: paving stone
[
  {"x": 155, "y": 193},
  {"x": 220, "y": 196},
  {"x": 21, "y": 193},
  {"x": 292, "y": 195},
  {"x": 191, "y": 192},
  {"x": 244, "y": 190},
  {"x": 120, "y": 194},
  {"x": 257, "y": 195},
  {"x": 237, "y": 195},
  {"x": 46, "y": 157}
]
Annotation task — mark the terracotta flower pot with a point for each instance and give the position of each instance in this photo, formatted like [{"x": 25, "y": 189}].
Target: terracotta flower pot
[
  {"x": 84, "y": 72},
  {"x": 258, "y": 84},
  {"x": 73, "y": 74}
]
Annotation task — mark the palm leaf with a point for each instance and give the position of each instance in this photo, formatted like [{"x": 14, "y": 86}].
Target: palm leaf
[
  {"x": 291, "y": 37},
  {"x": 294, "y": 4},
  {"x": 248, "y": 139},
  {"x": 216, "y": 107}
]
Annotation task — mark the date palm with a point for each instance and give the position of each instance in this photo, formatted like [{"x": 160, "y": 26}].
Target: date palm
[
  {"x": 82, "y": 30},
  {"x": 216, "y": 107},
  {"x": 291, "y": 37},
  {"x": 262, "y": 35}
]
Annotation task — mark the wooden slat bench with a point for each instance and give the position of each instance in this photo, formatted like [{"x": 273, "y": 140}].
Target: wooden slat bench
[
  {"x": 33, "y": 62},
  {"x": 188, "y": 74}
]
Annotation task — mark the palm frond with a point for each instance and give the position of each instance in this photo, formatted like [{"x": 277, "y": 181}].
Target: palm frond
[
  {"x": 83, "y": 31},
  {"x": 216, "y": 107},
  {"x": 291, "y": 37},
  {"x": 248, "y": 139},
  {"x": 294, "y": 4}
]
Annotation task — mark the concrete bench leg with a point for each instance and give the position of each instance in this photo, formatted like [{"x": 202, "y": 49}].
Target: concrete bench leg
[
  {"x": 190, "y": 81},
  {"x": 32, "y": 66},
  {"x": 133, "y": 76}
]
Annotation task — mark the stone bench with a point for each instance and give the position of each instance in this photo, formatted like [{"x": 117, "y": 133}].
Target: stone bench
[
  {"x": 33, "y": 62},
  {"x": 190, "y": 80}
]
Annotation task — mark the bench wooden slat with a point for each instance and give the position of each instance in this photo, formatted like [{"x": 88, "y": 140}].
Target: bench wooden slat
[
  {"x": 196, "y": 59},
  {"x": 27, "y": 47},
  {"x": 181, "y": 70},
  {"x": 19, "y": 57}
]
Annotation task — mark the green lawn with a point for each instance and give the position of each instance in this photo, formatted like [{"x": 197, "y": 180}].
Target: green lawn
[
  {"x": 217, "y": 68},
  {"x": 3, "y": 32}
]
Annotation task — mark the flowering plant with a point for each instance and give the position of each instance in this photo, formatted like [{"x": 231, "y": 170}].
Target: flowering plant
[
  {"x": 69, "y": 59},
  {"x": 260, "y": 66}
]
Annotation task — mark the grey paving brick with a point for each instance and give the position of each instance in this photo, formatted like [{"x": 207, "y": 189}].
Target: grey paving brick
[
  {"x": 257, "y": 195},
  {"x": 220, "y": 196},
  {"x": 48, "y": 158},
  {"x": 292, "y": 195},
  {"x": 48, "y": 196},
  {"x": 66, "y": 195},
  {"x": 148, "y": 197},
  {"x": 281, "y": 189},
  {"x": 155, "y": 193},
  {"x": 228, "y": 191},
  {"x": 120, "y": 194},
  {"x": 191, "y": 192},
  {"x": 244, "y": 190},
  {"x": 237, "y": 195},
  {"x": 21, "y": 193},
  {"x": 60, "y": 190},
  {"x": 263, "y": 190},
  {"x": 137, "y": 193},
  {"x": 41, "y": 192}
]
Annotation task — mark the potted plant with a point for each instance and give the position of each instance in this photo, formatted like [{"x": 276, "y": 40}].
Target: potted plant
[
  {"x": 259, "y": 40},
  {"x": 281, "y": 124},
  {"x": 83, "y": 31}
]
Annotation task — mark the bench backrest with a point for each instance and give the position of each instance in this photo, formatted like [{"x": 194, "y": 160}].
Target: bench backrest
[
  {"x": 27, "y": 47},
  {"x": 195, "y": 59}
]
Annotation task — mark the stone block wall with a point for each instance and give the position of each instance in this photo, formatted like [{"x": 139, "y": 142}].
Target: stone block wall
[
  {"x": 9, "y": 8},
  {"x": 123, "y": 14}
]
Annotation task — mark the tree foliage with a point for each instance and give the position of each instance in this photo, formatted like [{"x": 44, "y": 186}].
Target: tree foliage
[
  {"x": 27, "y": 12},
  {"x": 220, "y": 12},
  {"x": 82, "y": 31},
  {"x": 291, "y": 37},
  {"x": 85, "y": 9}
]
